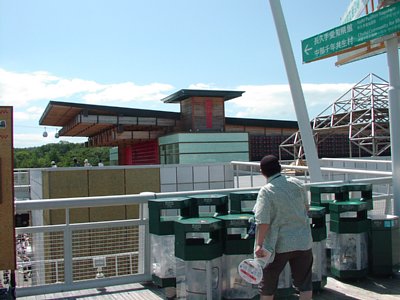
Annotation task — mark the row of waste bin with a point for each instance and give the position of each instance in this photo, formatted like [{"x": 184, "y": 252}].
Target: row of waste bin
[
  {"x": 197, "y": 242},
  {"x": 197, "y": 245},
  {"x": 359, "y": 242}
]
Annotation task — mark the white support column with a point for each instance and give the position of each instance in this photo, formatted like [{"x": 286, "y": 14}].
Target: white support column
[
  {"x": 297, "y": 92},
  {"x": 394, "y": 114}
]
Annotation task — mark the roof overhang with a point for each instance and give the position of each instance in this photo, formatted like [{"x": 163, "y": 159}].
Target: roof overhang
[
  {"x": 186, "y": 93},
  {"x": 86, "y": 120}
]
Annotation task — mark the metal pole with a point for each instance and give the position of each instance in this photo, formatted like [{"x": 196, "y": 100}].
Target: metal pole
[
  {"x": 68, "y": 264},
  {"x": 297, "y": 92},
  {"x": 394, "y": 115},
  {"x": 209, "y": 280}
]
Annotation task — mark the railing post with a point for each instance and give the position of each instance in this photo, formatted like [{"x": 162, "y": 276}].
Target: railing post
[
  {"x": 68, "y": 266},
  {"x": 251, "y": 176},
  {"x": 236, "y": 168},
  {"x": 144, "y": 238},
  {"x": 388, "y": 201}
]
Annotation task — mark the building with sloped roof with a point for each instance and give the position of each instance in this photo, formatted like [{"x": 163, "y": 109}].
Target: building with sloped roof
[{"x": 199, "y": 133}]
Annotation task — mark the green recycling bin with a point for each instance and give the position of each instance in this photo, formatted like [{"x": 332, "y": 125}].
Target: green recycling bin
[
  {"x": 384, "y": 251},
  {"x": 324, "y": 194},
  {"x": 364, "y": 190},
  {"x": 242, "y": 202},
  {"x": 209, "y": 205},
  {"x": 319, "y": 234},
  {"x": 198, "y": 252},
  {"x": 162, "y": 215},
  {"x": 349, "y": 237},
  {"x": 238, "y": 245}
]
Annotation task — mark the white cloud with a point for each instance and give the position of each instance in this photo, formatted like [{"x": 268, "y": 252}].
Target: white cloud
[
  {"x": 275, "y": 101},
  {"x": 26, "y": 140},
  {"x": 128, "y": 92},
  {"x": 202, "y": 86},
  {"x": 30, "y": 93},
  {"x": 21, "y": 89},
  {"x": 32, "y": 113}
]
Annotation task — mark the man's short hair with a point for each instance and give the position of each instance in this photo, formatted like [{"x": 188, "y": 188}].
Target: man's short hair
[{"x": 270, "y": 165}]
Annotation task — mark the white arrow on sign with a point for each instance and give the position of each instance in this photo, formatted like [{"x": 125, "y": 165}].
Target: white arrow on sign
[{"x": 306, "y": 49}]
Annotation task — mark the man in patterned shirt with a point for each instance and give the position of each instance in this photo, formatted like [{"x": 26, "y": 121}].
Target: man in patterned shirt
[{"x": 282, "y": 225}]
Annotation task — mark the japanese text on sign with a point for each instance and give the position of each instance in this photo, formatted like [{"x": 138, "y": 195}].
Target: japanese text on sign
[{"x": 378, "y": 24}]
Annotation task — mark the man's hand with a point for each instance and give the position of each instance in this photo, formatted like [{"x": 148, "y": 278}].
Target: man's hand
[
  {"x": 260, "y": 251},
  {"x": 261, "y": 232}
]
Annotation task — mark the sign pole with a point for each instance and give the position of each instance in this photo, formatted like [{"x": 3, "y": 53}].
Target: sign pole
[
  {"x": 303, "y": 120},
  {"x": 394, "y": 114}
]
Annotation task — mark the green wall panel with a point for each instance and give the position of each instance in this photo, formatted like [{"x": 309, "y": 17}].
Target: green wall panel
[
  {"x": 204, "y": 147},
  {"x": 213, "y": 147},
  {"x": 212, "y": 158},
  {"x": 203, "y": 137}
]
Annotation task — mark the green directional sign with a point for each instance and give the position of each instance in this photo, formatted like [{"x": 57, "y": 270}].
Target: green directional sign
[{"x": 344, "y": 37}]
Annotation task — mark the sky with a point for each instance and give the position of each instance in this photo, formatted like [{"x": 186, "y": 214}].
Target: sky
[{"x": 133, "y": 53}]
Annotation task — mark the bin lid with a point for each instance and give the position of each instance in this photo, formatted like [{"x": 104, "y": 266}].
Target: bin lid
[
  {"x": 344, "y": 206},
  {"x": 244, "y": 195},
  {"x": 235, "y": 220},
  {"x": 316, "y": 211},
  {"x": 199, "y": 224},
  {"x": 169, "y": 203},
  {"x": 327, "y": 188},
  {"x": 358, "y": 187},
  {"x": 210, "y": 199}
]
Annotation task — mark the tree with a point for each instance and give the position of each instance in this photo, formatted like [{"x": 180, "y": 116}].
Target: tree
[{"x": 62, "y": 153}]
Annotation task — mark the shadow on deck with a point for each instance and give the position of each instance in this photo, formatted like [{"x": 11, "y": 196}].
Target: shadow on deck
[{"x": 366, "y": 289}]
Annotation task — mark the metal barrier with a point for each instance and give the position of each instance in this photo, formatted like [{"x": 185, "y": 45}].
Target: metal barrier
[
  {"x": 73, "y": 256},
  {"x": 248, "y": 174}
]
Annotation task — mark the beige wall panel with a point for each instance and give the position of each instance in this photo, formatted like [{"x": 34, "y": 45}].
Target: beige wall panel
[
  {"x": 98, "y": 214},
  {"x": 79, "y": 215},
  {"x": 142, "y": 180},
  {"x": 102, "y": 183},
  {"x": 67, "y": 184},
  {"x": 76, "y": 215},
  {"x": 57, "y": 216},
  {"x": 106, "y": 182},
  {"x": 45, "y": 185},
  {"x": 132, "y": 211},
  {"x": 46, "y": 217}
]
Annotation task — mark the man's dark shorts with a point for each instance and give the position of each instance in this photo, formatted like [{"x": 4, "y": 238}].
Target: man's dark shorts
[{"x": 301, "y": 268}]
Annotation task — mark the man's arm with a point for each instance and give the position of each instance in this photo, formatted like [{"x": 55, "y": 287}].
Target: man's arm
[{"x": 261, "y": 232}]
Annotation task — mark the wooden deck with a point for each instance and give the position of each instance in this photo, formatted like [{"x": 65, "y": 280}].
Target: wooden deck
[{"x": 370, "y": 288}]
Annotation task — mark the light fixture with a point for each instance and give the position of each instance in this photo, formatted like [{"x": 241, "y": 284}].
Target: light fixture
[
  {"x": 45, "y": 132},
  {"x": 57, "y": 135}
]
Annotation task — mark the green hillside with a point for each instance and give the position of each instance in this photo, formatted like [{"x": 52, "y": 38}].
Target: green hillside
[{"x": 62, "y": 153}]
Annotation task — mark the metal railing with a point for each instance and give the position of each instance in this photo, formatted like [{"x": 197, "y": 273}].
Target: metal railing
[
  {"x": 21, "y": 184},
  {"x": 375, "y": 172},
  {"x": 73, "y": 254}
]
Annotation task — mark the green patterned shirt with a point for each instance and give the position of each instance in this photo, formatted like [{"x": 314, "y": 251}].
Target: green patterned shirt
[{"x": 282, "y": 203}]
